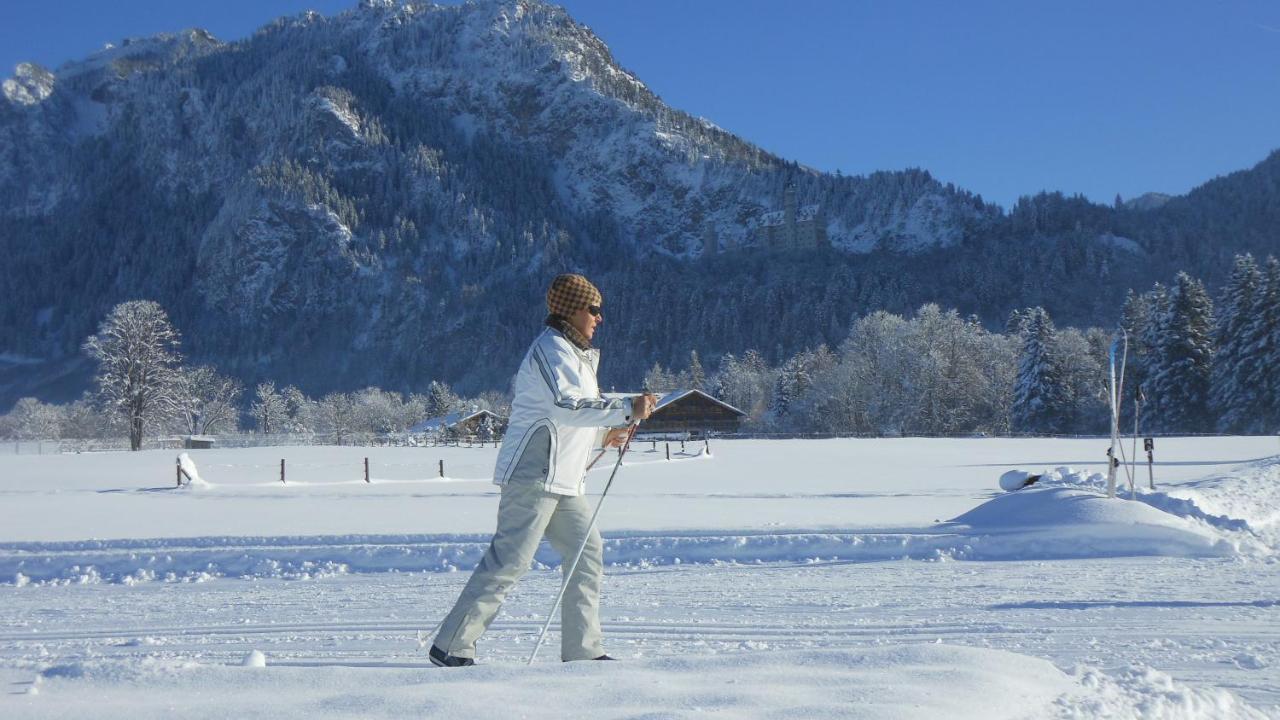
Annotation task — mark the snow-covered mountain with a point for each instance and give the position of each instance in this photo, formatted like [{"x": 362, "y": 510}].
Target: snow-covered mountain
[{"x": 373, "y": 197}]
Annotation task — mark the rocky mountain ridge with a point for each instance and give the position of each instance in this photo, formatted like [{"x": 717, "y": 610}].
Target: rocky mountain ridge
[{"x": 373, "y": 197}]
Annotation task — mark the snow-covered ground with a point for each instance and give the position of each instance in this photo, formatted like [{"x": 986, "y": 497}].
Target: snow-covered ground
[{"x": 839, "y": 578}]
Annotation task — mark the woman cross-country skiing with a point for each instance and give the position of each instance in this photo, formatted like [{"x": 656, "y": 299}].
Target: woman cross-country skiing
[{"x": 557, "y": 418}]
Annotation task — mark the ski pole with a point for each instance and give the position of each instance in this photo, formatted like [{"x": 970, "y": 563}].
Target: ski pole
[{"x": 564, "y": 584}]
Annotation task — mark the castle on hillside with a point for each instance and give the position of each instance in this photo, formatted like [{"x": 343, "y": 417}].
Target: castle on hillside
[{"x": 791, "y": 228}]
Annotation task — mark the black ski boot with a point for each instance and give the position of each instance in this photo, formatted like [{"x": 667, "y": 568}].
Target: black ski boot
[{"x": 443, "y": 659}]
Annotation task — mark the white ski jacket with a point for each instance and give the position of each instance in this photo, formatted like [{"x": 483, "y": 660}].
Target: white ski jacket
[{"x": 556, "y": 388}]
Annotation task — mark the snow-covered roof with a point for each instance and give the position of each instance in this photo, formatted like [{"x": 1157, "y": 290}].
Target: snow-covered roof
[
  {"x": 673, "y": 396},
  {"x": 444, "y": 422}
]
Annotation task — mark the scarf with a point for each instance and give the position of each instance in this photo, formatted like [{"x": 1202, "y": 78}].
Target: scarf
[{"x": 561, "y": 323}]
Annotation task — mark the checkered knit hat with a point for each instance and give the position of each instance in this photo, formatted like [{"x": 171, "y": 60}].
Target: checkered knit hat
[{"x": 570, "y": 293}]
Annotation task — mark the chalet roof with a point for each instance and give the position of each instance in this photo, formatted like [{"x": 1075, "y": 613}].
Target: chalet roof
[
  {"x": 445, "y": 422},
  {"x": 674, "y": 395}
]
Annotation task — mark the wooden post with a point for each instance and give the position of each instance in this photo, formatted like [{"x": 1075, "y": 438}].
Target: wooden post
[
  {"x": 706, "y": 444},
  {"x": 682, "y": 445},
  {"x": 1149, "y": 444},
  {"x": 668, "y": 451},
  {"x": 282, "y": 482},
  {"x": 366, "y": 469},
  {"x": 442, "y": 468},
  {"x": 179, "y": 464}
]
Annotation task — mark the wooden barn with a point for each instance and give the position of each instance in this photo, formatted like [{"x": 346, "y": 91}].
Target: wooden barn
[{"x": 691, "y": 412}]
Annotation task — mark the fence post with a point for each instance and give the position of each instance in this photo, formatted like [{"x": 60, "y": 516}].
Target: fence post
[
  {"x": 178, "y": 463},
  {"x": 706, "y": 444},
  {"x": 366, "y": 469},
  {"x": 282, "y": 482},
  {"x": 668, "y": 451},
  {"x": 442, "y": 468}
]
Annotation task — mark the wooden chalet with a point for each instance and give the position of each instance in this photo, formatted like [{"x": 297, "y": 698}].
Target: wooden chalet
[{"x": 690, "y": 412}]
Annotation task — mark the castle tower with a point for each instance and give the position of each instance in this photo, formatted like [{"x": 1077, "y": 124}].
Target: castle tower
[{"x": 788, "y": 239}]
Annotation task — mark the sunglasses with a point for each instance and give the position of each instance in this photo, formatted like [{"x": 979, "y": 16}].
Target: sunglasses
[{"x": 594, "y": 310}]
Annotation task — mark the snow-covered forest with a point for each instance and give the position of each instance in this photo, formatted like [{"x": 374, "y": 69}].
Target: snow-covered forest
[{"x": 933, "y": 373}]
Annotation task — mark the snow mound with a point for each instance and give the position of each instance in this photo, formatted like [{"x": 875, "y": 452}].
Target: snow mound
[
  {"x": 925, "y": 681},
  {"x": 255, "y": 659},
  {"x": 1244, "y": 499},
  {"x": 1141, "y": 692},
  {"x": 192, "y": 475},
  {"x": 1047, "y": 520},
  {"x": 1243, "y": 502}
]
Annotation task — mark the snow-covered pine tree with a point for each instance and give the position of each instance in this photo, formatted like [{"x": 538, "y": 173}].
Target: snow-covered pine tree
[
  {"x": 794, "y": 379},
  {"x": 1135, "y": 319},
  {"x": 1260, "y": 374},
  {"x": 1230, "y": 396},
  {"x": 660, "y": 380},
  {"x": 697, "y": 376},
  {"x": 1154, "y": 308},
  {"x": 1185, "y": 349},
  {"x": 1039, "y": 395},
  {"x": 138, "y": 359},
  {"x": 441, "y": 400}
]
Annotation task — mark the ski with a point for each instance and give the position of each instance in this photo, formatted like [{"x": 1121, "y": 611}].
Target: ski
[{"x": 1115, "y": 389}]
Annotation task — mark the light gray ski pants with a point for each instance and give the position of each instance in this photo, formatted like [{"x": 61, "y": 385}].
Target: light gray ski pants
[{"x": 525, "y": 514}]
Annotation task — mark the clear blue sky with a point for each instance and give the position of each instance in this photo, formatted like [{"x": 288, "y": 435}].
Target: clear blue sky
[{"x": 1002, "y": 98}]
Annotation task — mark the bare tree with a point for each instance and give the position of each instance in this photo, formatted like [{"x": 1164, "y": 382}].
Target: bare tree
[
  {"x": 208, "y": 400},
  {"x": 137, "y": 352},
  {"x": 84, "y": 420},
  {"x": 386, "y": 412},
  {"x": 269, "y": 409},
  {"x": 31, "y": 419},
  {"x": 301, "y": 410},
  {"x": 341, "y": 415}
]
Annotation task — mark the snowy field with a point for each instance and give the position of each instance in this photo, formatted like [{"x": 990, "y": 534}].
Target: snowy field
[{"x": 839, "y": 578}]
